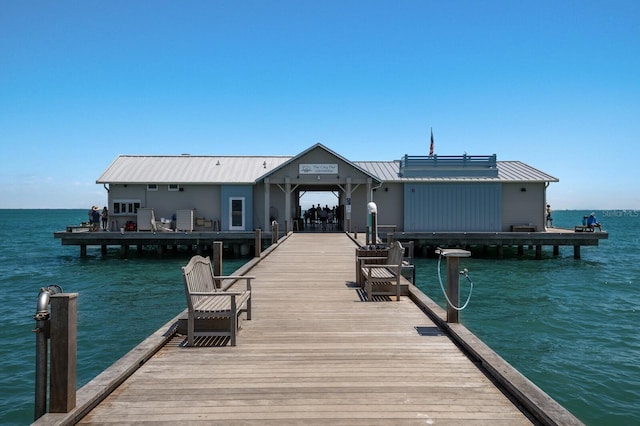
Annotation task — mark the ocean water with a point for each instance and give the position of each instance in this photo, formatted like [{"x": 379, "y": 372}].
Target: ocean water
[{"x": 569, "y": 325}]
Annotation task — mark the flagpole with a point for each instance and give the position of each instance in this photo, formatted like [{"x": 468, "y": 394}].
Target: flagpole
[{"x": 431, "y": 145}]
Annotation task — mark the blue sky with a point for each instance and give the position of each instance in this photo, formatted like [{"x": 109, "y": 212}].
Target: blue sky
[{"x": 555, "y": 84}]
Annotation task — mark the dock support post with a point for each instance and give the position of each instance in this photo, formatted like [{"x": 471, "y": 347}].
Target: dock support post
[
  {"x": 258, "y": 243},
  {"x": 103, "y": 249},
  {"x": 556, "y": 250},
  {"x": 576, "y": 252},
  {"x": 520, "y": 250},
  {"x": 538, "y": 251},
  {"x": 83, "y": 250},
  {"x": 64, "y": 313},
  {"x": 124, "y": 251},
  {"x": 500, "y": 251}
]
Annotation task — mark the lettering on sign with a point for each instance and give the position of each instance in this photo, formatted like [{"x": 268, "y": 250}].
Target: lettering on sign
[{"x": 318, "y": 169}]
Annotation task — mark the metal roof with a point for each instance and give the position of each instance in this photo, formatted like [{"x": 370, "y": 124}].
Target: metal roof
[
  {"x": 508, "y": 171},
  {"x": 183, "y": 169}
]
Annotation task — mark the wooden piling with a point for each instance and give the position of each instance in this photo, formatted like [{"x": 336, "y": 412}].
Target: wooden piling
[{"x": 64, "y": 314}]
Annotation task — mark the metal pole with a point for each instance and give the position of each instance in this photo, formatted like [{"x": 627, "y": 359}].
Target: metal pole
[{"x": 42, "y": 349}]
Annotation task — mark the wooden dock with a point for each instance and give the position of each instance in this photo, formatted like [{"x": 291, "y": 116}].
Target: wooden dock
[
  {"x": 316, "y": 353},
  {"x": 244, "y": 242}
]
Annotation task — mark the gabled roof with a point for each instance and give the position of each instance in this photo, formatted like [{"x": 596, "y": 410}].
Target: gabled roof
[
  {"x": 202, "y": 169},
  {"x": 183, "y": 169},
  {"x": 308, "y": 150},
  {"x": 508, "y": 171}
]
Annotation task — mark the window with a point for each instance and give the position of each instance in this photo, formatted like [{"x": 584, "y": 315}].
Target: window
[
  {"x": 236, "y": 212},
  {"x": 152, "y": 187},
  {"x": 173, "y": 187},
  {"x": 125, "y": 207}
]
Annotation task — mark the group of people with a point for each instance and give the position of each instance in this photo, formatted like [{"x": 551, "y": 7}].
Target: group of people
[
  {"x": 591, "y": 221},
  {"x": 323, "y": 214},
  {"x": 96, "y": 218}
]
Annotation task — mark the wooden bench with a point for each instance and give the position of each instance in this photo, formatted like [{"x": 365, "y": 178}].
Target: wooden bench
[
  {"x": 523, "y": 228},
  {"x": 378, "y": 277},
  {"x": 587, "y": 228},
  {"x": 208, "y": 297}
]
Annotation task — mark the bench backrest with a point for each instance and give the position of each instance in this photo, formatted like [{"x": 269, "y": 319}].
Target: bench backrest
[
  {"x": 198, "y": 277},
  {"x": 396, "y": 254}
]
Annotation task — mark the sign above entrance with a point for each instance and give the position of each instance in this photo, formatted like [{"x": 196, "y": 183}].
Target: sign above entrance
[{"x": 318, "y": 169}]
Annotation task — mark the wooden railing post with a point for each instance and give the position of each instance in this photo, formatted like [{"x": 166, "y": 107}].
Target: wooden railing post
[
  {"x": 64, "y": 329},
  {"x": 217, "y": 258},
  {"x": 274, "y": 232},
  {"x": 258, "y": 243},
  {"x": 453, "y": 281}
]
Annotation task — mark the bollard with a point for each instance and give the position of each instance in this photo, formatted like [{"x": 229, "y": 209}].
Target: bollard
[{"x": 453, "y": 280}]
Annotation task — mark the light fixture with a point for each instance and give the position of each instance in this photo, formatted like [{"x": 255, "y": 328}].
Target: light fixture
[
  {"x": 264, "y": 165},
  {"x": 218, "y": 163}
]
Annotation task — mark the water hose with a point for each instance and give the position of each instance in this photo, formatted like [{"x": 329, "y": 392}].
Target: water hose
[{"x": 464, "y": 272}]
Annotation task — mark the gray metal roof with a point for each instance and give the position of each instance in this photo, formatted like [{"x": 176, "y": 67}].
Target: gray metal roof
[
  {"x": 508, "y": 171},
  {"x": 183, "y": 169}
]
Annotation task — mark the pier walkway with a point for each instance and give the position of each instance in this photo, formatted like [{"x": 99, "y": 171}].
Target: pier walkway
[{"x": 314, "y": 353}]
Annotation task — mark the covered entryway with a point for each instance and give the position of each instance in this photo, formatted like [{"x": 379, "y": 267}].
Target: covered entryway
[{"x": 316, "y": 171}]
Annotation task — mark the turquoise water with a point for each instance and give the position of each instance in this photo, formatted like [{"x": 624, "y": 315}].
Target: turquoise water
[{"x": 568, "y": 325}]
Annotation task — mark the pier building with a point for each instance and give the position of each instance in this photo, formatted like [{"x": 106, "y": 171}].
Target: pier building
[{"x": 467, "y": 199}]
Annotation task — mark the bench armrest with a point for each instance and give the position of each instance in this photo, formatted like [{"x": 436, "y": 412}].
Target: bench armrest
[
  {"x": 233, "y": 279},
  {"x": 216, "y": 293}
]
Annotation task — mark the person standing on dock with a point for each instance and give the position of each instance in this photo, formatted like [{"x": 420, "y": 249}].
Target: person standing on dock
[
  {"x": 549, "y": 219},
  {"x": 105, "y": 218},
  {"x": 95, "y": 218}
]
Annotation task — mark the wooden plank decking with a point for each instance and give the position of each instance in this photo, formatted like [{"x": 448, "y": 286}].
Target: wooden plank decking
[{"x": 314, "y": 353}]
